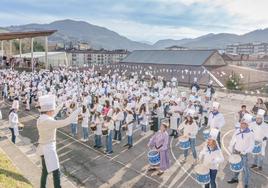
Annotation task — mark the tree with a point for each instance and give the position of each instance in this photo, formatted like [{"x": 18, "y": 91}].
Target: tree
[
  {"x": 38, "y": 47},
  {"x": 233, "y": 82}
]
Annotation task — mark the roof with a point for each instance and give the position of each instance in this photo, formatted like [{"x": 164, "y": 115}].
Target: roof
[
  {"x": 27, "y": 34},
  {"x": 184, "y": 57},
  {"x": 39, "y": 54}
]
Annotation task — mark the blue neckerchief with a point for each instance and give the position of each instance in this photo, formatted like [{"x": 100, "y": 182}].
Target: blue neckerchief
[
  {"x": 215, "y": 113},
  {"x": 209, "y": 150},
  {"x": 247, "y": 130}
]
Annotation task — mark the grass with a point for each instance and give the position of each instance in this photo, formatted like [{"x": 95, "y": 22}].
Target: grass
[{"x": 9, "y": 175}]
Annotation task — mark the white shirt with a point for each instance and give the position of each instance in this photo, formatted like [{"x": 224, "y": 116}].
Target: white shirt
[
  {"x": 13, "y": 120},
  {"x": 129, "y": 118},
  {"x": 85, "y": 119},
  {"x": 189, "y": 130},
  {"x": 242, "y": 142},
  {"x": 216, "y": 121},
  {"x": 212, "y": 159},
  {"x": 47, "y": 126}
]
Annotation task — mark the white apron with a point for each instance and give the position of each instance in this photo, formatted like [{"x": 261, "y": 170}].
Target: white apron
[
  {"x": 51, "y": 157},
  {"x": 174, "y": 122}
]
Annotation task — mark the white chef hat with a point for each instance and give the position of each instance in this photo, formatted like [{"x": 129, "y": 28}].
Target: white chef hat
[
  {"x": 47, "y": 103},
  {"x": 247, "y": 118},
  {"x": 210, "y": 82},
  {"x": 190, "y": 112},
  {"x": 216, "y": 105},
  {"x": 260, "y": 113},
  {"x": 195, "y": 79},
  {"x": 183, "y": 94}
]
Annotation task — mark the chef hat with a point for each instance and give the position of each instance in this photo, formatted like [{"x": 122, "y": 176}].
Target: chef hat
[
  {"x": 116, "y": 104},
  {"x": 99, "y": 108},
  {"x": 183, "y": 94},
  {"x": 213, "y": 133},
  {"x": 247, "y": 118},
  {"x": 260, "y": 113},
  {"x": 47, "y": 103},
  {"x": 195, "y": 79},
  {"x": 216, "y": 105},
  {"x": 210, "y": 82},
  {"x": 190, "y": 112}
]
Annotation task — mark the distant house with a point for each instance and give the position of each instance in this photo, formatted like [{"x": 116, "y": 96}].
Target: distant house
[{"x": 182, "y": 64}]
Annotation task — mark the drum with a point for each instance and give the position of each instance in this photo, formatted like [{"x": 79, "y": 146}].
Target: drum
[
  {"x": 235, "y": 163},
  {"x": 257, "y": 148},
  {"x": 195, "y": 117},
  {"x": 153, "y": 157},
  {"x": 93, "y": 127},
  {"x": 184, "y": 142},
  {"x": 80, "y": 119},
  {"x": 104, "y": 131},
  {"x": 206, "y": 133},
  {"x": 202, "y": 174}
]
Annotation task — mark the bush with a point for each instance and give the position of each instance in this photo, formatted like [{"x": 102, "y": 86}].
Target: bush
[{"x": 233, "y": 82}]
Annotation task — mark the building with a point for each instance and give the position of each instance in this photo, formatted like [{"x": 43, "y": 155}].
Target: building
[
  {"x": 185, "y": 65},
  {"x": 89, "y": 57},
  {"x": 247, "y": 48}
]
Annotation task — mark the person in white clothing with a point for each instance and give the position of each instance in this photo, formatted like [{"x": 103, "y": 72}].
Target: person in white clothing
[
  {"x": 47, "y": 126},
  {"x": 211, "y": 156},
  {"x": 216, "y": 120},
  {"x": 118, "y": 117},
  {"x": 242, "y": 143},
  {"x": 13, "y": 124},
  {"x": 84, "y": 124},
  {"x": 260, "y": 130},
  {"x": 190, "y": 130},
  {"x": 129, "y": 126}
]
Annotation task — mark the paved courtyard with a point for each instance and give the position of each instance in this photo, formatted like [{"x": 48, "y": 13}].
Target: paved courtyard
[{"x": 88, "y": 167}]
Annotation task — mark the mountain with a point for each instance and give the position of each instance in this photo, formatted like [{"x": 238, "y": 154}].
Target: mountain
[
  {"x": 101, "y": 37},
  {"x": 72, "y": 31},
  {"x": 218, "y": 41}
]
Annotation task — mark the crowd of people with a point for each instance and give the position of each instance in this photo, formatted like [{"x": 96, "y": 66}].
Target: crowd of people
[{"x": 113, "y": 105}]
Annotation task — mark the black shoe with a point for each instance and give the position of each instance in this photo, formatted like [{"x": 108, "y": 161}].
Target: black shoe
[
  {"x": 232, "y": 181},
  {"x": 260, "y": 168},
  {"x": 253, "y": 166},
  {"x": 130, "y": 146},
  {"x": 99, "y": 147},
  {"x": 171, "y": 134},
  {"x": 95, "y": 146},
  {"x": 246, "y": 186},
  {"x": 126, "y": 145}
]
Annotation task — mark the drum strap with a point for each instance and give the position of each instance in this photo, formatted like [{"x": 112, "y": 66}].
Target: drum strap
[{"x": 159, "y": 146}]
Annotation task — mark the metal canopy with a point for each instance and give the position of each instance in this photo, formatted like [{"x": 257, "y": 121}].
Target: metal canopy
[{"x": 27, "y": 34}]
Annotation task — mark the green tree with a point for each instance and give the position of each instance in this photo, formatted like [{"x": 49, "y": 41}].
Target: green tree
[
  {"x": 234, "y": 83},
  {"x": 38, "y": 47}
]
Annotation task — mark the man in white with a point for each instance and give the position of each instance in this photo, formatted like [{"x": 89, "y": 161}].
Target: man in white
[
  {"x": 242, "y": 143},
  {"x": 260, "y": 130},
  {"x": 216, "y": 120},
  {"x": 47, "y": 126}
]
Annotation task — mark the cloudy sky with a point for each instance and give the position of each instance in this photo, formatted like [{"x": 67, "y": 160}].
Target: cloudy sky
[{"x": 144, "y": 20}]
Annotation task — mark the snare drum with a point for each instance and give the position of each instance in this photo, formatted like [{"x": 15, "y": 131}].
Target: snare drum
[
  {"x": 202, "y": 174},
  {"x": 206, "y": 133},
  {"x": 184, "y": 142},
  {"x": 93, "y": 127},
  {"x": 153, "y": 157},
  {"x": 104, "y": 131},
  {"x": 124, "y": 128},
  {"x": 235, "y": 163},
  {"x": 257, "y": 148}
]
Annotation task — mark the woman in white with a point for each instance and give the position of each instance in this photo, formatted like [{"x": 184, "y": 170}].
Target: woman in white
[
  {"x": 118, "y": 117},
  {"x": 144, "y": 119},
  {"x": 211, "y": 156},
  {"x": 85, "y": 116},
  {"x": 129, "y": 126},
  {"x": 13, "y": 124},
  {"x": 109, "y": 124},
  {"x": 190, "y": 130},
  {"x": 97, "y": 120}
]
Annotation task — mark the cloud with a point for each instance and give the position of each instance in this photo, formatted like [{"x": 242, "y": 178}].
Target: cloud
[{"x": 145, "y": 19}]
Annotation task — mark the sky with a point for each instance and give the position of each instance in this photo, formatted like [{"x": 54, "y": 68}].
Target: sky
[{"x": 144, "y": 20}]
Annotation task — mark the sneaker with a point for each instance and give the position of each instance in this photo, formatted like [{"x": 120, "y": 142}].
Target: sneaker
[
  {"x": 109, "y": 153},
  {"x": 260, "y": 168},
  {"x": 125, "y": 145},
  {"x": 232, "y": 181},
  {"x": 130, "y": 146},
  {"x": 160, "y": 173},
  {"x": 82, "y": 140},
  {"x": 253, "y": 166},
  {"x": 95, "y": 146}
]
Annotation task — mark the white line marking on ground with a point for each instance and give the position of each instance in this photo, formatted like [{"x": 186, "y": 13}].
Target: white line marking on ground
[{"x": 173, "y": 155}]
